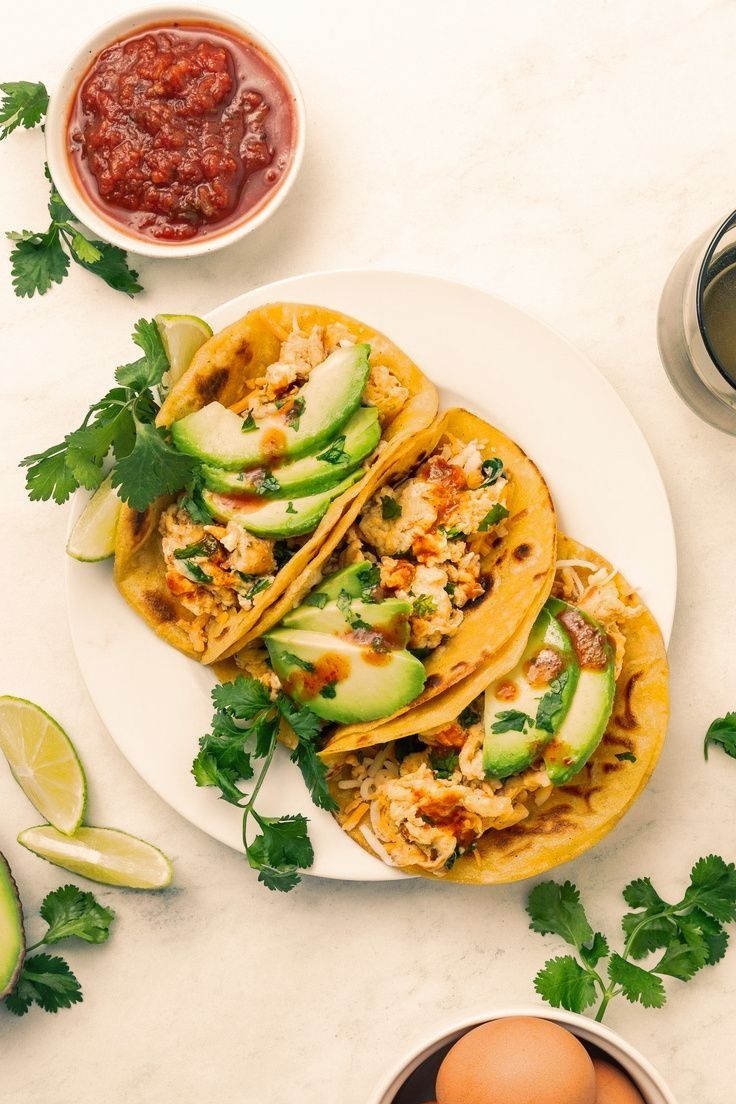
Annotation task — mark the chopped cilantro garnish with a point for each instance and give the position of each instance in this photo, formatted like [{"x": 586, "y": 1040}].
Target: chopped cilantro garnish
[
  {"x": 369, "y": 576},
  {"x": 257, "y": 584},
  {"x": 390, "y": 508},
  {"x": 468, "y": 717},
  {"x": 626, "y": 757},
  {"x": 328, "y": 690},
  {"x": 335, "y": 454},
  {"x": 290, "y": 508},
  {"x": 195, "y": 572},
  {"x": 266, "y": 483},
  {"x": 511, "y": 720},
  {"x": 444, "y": 764},
  {"x": 316, "y": 598},
  {"x": 452, "y": 533},
  {"x": 297, "y": 661},
  {"x": 423, "y": 605},
  {"x": 496, "y": 513},
  {"x": 550, "y": 704},
  {"x": 295, "y": 412},
  {"x": 491, "y": 471},
  {"x": 203, "y": 548}
]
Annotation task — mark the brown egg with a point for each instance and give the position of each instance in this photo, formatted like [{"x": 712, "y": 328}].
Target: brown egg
[
  {"x": 613, "y": 1086},
  {"x": 519, "y": 1060}
]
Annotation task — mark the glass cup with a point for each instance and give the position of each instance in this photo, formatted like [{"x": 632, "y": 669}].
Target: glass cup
[{"x": 695, "y": 319}]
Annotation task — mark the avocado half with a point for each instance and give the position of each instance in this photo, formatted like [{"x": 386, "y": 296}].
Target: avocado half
[{"x": 12, "y": 934}]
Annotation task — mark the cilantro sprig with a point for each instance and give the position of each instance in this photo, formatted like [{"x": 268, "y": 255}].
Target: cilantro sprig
[
  {"x": 722, "y": 733},
  {"x": 676, "y": 940},
  {"x": 145, "y": 465},
  {"x": 245, "y": 728},
  {"x": 41, "y": 258},
  {"x": 48, "y": 980}
]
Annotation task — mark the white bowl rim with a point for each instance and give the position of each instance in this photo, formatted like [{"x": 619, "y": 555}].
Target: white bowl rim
[
  {"x": 647, "y": 1079},
  {"x": 60, "y": 102}
]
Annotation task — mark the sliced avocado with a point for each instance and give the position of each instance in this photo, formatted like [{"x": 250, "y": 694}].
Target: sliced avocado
[
  {"x": 340, "y": 680},
  {"x": 329, "y": 399},
  {"x": 389, "y": 618},
  {"x": 358, "y": 580},
  {"x": 12, "y": 936},
  {"x": 278, "y": 518},
  {"x": 582, "y": 729},
  {"x": 520, "y": 715},
  {"x": 310, "y": 474}
]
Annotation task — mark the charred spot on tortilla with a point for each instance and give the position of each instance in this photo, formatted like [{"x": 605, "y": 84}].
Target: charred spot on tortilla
[
  {"x": 209, "y": 387},
  {"x": 161, "y": 607},
  {"x": 432, "y": 681},
  {"x": 522, "y": 552},
  {"x": 244, "y": 352},
  {"x": 139, "y": 519},
  {"x": 627, "y": 720}
]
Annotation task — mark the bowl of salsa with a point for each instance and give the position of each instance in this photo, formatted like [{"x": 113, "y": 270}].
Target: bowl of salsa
[{"x": 175, "y": 131}]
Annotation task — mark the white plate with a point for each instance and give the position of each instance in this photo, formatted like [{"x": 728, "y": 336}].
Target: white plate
[{"x": 481, "y": 353}]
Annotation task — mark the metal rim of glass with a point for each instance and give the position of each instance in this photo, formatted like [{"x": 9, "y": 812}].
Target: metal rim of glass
[{"x": 707, "y": 272}]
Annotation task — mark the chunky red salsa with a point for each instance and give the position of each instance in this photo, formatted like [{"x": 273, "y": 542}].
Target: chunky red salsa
[{"x": 179, "y": 130}]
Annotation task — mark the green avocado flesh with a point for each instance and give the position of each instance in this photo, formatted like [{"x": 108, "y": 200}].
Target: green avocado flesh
[
  {"x": 582, "y": 729},
  {"x": 310, "y": 474},
  {"x": 389, "y": 618},
  {"x": 330, "y": 397},
  {"x": 357, "y": 580},
  {"x": 527, "y": 716},
  {"x": 12, "y": 937},
  {"x": 366, "y": 684},
  {"x": 277, "y": 518}
]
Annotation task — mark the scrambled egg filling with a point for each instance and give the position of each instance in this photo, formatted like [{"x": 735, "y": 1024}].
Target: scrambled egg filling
[
  {"x": 230, "y": 568},
  {"x": 300, "y": 353},
  {"x": 428, "y": 535},
  {"x": 213, "y": 569},
  {"x": 426, "y": 808}
]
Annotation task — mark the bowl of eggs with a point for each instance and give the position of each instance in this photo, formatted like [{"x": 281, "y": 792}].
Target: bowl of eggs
[{"x": 525, "y": 1056}]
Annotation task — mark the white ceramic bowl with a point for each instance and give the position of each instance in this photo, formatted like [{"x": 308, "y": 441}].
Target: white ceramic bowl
[
  {"x": 649, "y": 1083},
  {"x": 58, "y": 115}
]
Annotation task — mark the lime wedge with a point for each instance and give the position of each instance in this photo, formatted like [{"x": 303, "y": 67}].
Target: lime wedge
[
  {"x": 44, "y": 762},
  {"x": 182, "y": 335},
  {"x": 93, "y": 536},
  {"x": 102, "y": 855}
]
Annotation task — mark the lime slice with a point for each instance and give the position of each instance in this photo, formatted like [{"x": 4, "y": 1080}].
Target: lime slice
[
  {"x": 102, "y": 855},
  {"x": 182, "y": 335},
  {"x": 93, "y": 536},
  {"x": 44, "y": 762}
]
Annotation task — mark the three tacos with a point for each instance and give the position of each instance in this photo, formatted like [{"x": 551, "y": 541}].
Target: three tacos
[{"x": 392, "y": 570}]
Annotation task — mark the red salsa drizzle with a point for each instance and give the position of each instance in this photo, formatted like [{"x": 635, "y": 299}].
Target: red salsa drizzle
[{"x": 181, "y": 129}]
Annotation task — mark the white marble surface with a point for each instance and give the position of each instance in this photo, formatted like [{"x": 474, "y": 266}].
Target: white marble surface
[{"x": 561, "y": 155}]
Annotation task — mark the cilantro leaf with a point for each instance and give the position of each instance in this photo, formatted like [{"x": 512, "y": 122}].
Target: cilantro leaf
[
  {"x": 511, "y": 720},
  {"x": 468, "y": 717},
  {"x": 316, "y": 598},
  {"x": 637, "y": 985},
  {"x": 722, "y": 732},
  {"x": 23, "y": 104},
  {"x": 444, "y": 764},
  {"x": 111, "y": 266},
  {"x": 422, "y": 605},
  {"x": 70, "y": 911},
  {"x": 49, "y": 476},
  {"x": 555, "y": 909},
  {"x": 390, "y": 508},
  {"x": 336, "y": 453},
  {"x": 646, "y": 932},
  {"x": 564, "y": 983},
  {"x": 297, "y": 661},
  {"x": 626, "y": 757},
  {"x": 550, "y": 704},
  {"x": 249, "y": 423},
  {"x": 641, "y": 894},
  {"x": 496, "y": 513},
  {"x": 47, "y": 981},
  {"x": 38, "y": 262},
  {"x": 491, "y": 470},
  {"x": 597, "y": 950},
  {"x": 153, "y": 468},
  {"x": 280, "y": 850},
  {"x": 713, "y": 888},
  {"x": 243, "y": 697}
]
